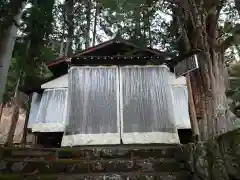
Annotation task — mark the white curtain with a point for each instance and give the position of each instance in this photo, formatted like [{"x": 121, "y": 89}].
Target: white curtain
[
  {"x": 52, "y": 113},
  {"x": 182, "y": 119},
  {"x": 35, "y": 104},
  {"x": 147, "y": 113},
  {"x": 93, "y": 106}
]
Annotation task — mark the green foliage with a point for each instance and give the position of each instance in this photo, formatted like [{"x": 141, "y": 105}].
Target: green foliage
[
  {"x": 127, "y": 5},
  {"x": 47, "y": 54},
  {"x": 31, "y": 47},
  {"x": 12, "y": 79},
  {"x": 237, "y": 6},
  {"x": 3, "y": 11},
  {"x": 8, "y": 9},
  {"x": 36, "y": 27},
  {"x": 234, "y": 70},
  {"x": 43, "y": 31}
]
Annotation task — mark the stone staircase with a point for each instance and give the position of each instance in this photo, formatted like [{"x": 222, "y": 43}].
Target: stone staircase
[{"x": 95, "y": 163}]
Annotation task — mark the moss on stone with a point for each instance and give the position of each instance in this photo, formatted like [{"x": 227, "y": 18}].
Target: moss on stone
[
  {"x": 10, "y": 176},
  {"x": 30, "y": 177}
]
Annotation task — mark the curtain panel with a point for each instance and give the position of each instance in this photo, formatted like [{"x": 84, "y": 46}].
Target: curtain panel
[
  {"x": 108, "y": 104},
  {"x": 146, "y": 105},
  {"x": 52, "y": 113},
  {"x": 35, "y": 104},
  {"x": 180, "y": 98},
  {"x": 93, "y": 106}
]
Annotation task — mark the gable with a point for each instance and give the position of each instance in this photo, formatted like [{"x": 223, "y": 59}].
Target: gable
[
  {"x": 99, "y": 55},
  {"x": 60, "y": 82}
]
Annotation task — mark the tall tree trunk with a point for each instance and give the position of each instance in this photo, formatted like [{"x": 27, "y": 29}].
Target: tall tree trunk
[
  {"x": 149, "y": 32},
  {"x": 7, "y": 41},
  {"x": 15, "y": 116},
  {"x": 200, "y": 30},
  {"x": 1, "y": 110},
  {"x": 237, "y": 5},
  {"x": 61, "y": 48},
  {"x": 14, "y": 120},
  {"x": 147, "y": 26},
  {"x": 70, "y": 27},
  {"x": 209, "y": 80},
  {"x": 25, "y": 130},
  {"x": 138, "y": 34},
  {"x": 88, "y": 16},
  {"x": 97, "y": 9},
  {"x": 62, "y": 51}
]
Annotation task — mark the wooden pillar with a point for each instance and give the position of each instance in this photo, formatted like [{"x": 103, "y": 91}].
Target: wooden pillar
[
  {"x": 193, "y": 116},
  {"x": 34, "y": 140}
]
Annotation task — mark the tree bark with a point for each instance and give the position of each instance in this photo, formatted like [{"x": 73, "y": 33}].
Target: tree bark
[
  {"x": 147, "y": 25},
  {"x": 12, "y": 128},
  {"x": 237, "y": 5},
  {"x": 137, "y": 16},
  {"x": 97, "y": 9},
  {"x": 15, "y": 116},
  {"x": 199, "y": 30},
  {"x": 88, "y": 27},
  {"x": 25, "y": 130},
  {"x": 7, "y": 41},
  {"x": 61, "y": 48},
  {"x": 149, "y": 32},
  {"x": 62, "y": 51},
  {"x": 70, "y": 27},
  {"x": 192, "y": 110},
  {"x": 1, "y": 110},
  {"x": 62, "y": 44}
]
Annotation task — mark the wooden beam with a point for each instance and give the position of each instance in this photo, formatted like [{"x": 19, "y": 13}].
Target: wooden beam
[
  {"x": 193, "y": 116},
  {"x": 1, "y": 110},
  {"x": 174, "y": 61}
]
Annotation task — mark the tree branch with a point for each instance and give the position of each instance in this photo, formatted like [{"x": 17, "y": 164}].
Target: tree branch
[
  {"x": 213, "y": 3},
  {"x": 237, "y": 5},
  {"x": 231, "y": 40}
]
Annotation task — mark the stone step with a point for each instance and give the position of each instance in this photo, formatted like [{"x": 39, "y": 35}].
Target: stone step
[
  {"x": 99, "y": 176},
  {"x": 95, "y": 152},
  {"x": 12, "y": 165},
  {"x": 33, "y": 154},
  {"x": 96, "y": 163}
]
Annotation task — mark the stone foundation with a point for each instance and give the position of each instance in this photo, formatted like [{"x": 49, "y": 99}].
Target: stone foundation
[{"x": 213, "y": 160}]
